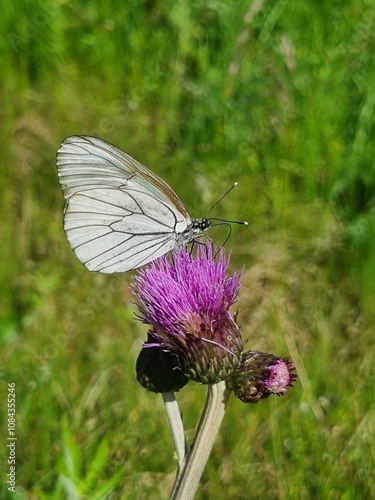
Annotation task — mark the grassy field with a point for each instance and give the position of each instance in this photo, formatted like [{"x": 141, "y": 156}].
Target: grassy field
[{"x": 276, "y": 95}]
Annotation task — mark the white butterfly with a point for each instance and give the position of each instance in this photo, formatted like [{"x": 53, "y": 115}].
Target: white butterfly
[{"x": 118, "y": 215}]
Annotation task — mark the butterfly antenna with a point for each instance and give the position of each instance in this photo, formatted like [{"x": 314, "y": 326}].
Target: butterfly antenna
[
  {"x": 225, "y": 221},
  {"x": 224, "y": 195}
]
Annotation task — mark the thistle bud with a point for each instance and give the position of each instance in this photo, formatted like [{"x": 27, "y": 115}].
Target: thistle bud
[{"x": 261, "y": 374}]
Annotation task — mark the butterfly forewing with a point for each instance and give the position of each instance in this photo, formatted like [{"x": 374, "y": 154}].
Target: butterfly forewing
[
  {"x": 85, "y": 161},
  {"x": 118, "y": 215}
]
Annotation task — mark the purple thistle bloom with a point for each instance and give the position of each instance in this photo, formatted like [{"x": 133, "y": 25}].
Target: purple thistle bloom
[{"x": 186, "y": 300}]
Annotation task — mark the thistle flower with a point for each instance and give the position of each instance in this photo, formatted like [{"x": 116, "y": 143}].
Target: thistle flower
[
  {"x": 186, "y": 300},
  {"x": 261, "y": 374}
]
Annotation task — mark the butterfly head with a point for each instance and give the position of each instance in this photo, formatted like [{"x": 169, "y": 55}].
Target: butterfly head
[
  {"x": 195, "y": 229},
  {"x": 200, "y": 225}
]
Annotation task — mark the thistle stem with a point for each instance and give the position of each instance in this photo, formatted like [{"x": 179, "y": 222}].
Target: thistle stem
[
  {"x": 176, "y": 425},
  {"x": 187, "y": 481}
]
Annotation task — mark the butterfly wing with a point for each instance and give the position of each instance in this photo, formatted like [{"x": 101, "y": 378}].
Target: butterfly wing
[{"x": 118, "y": 215}]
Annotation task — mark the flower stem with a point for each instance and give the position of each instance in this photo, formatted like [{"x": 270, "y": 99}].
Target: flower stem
[
  {"x": 177, "y": 428},
  {"x": 188, "y": 480}
]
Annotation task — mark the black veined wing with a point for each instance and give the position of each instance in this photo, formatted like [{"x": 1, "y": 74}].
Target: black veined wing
[{"x": 118, "y": 214}]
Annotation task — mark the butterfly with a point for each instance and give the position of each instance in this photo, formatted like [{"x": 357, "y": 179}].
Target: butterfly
[{"x": 119, "y": 215}]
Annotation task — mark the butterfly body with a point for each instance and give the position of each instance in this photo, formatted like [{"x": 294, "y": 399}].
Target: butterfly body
[{"x": 118, "y": 214}]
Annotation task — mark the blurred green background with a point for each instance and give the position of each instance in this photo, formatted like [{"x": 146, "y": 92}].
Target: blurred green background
[{"x": 276, "y": 95}]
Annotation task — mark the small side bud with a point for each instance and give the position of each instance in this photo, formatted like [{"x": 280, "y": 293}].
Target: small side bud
[{"x": 261, "y": 374}]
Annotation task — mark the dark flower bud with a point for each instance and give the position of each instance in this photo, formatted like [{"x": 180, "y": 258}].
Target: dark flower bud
[{"x": 158, "y": 370}]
